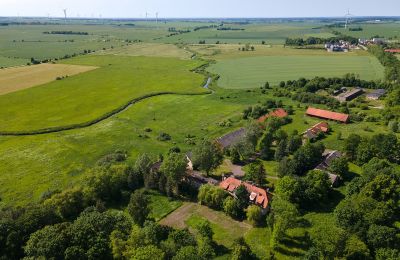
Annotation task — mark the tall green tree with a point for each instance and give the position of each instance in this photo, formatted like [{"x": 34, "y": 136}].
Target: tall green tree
[
  {"x": 207, "y": 156},
  {"x": 138, "y": 207}
]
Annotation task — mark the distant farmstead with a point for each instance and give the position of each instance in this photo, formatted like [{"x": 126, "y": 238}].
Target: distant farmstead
[
  {"x": 258, "y": 196},
  {"x": 326, "y": 114},
  {"x": 280, "y": 112}
]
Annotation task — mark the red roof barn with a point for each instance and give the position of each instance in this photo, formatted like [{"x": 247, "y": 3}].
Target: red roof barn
[
  {"x": 325, "y": 114},
  {"x": 280, "y": 112}
]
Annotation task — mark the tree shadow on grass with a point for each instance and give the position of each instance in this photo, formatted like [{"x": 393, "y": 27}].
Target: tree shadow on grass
[
  {"x": 221, "y": 249},
  {"x": 328, "y": 205},
  {"x": 294, "y": 242}
]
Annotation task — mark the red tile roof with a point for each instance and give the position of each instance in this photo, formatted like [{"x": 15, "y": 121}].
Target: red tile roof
[
  {"x": 320, "y": 127},
  {"x": 393, "y": 50},
  {"x": 257, "y": 195},
  {"x": 280, "y": 112},
  {"x": 327, "y": 114}
]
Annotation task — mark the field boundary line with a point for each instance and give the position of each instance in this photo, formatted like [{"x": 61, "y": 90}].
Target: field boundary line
[{"x": 105, "y": 116}]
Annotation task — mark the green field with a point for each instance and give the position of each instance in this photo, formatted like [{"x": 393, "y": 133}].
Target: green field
[
  {"x": 383, "y": 29},
  {"x": 272, "y": 33},
  {"x": 254, "y": 71},
  {"x": 89, "y": 95}
]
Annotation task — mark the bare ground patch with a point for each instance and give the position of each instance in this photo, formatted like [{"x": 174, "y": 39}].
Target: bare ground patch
[{"x": 19, "y": 78}]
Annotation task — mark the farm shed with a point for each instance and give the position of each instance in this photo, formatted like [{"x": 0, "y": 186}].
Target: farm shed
[
  {"x": 329, "y": 156},
  {"x": 231, "y": 138},
  {"x": 326, "y": 114},
  {"x": 376, "y": 94},
  {"x": 314, "y": 131},
  {"x": 350, "y": 95}
]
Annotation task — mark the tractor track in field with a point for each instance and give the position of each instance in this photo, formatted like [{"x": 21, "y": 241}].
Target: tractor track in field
[{"x": 110, "y": 114}]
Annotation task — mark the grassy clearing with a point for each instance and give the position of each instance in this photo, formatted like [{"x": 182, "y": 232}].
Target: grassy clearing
[
  {"x": 226, "y": 230},
  {"x": 253, "y": 72},
  {"x": 19, "y": 78},
  {"x": 87, "y": 96},
  {"x": 161, "y": 205},
  {"x": 150, "y": 50}
]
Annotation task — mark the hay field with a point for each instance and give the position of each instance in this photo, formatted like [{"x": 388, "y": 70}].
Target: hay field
[
  {"x": 15, "y": 79},
  {"x": 151, "y": 50},
  {"x": 252, "y": 72}
]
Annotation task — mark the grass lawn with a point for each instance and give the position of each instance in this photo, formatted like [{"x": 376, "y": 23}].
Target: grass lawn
[
  {"x": 161, "y": 205},
  {"x": 254, "y": 71},
  {"x": 86, "y": 96},
  {"x": 226, "y": 230}
]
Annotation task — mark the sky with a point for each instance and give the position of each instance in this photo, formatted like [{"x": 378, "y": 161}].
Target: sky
[{"x": 199, "y": 8}]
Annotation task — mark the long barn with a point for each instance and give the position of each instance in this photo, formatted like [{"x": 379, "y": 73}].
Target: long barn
[{"x": 326, "y": 114}]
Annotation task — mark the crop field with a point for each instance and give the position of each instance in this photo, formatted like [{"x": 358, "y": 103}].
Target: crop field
[
  {"x": 253, "y": 33},
  {"x": 10, "y": 62},
  {"x": 253, "y": 72},
  {"x": 151, "y": 50},
  {"x": 92, "y": 94},
  {"x": 15, "y": 79},
  {"x": 384, "y": 30},
  {"x": 30, "y": 41}
]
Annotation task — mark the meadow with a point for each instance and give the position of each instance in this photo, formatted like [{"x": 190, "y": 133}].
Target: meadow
[
  {"x": 252, "y": 72},
  {"x": 89, "y": 95}
]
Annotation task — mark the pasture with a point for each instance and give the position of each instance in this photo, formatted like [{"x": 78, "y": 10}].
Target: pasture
[
  {"x": 87, "y": 96},
  {"x": 254, "y": 71},
  {"x": 19, "y": 78}
]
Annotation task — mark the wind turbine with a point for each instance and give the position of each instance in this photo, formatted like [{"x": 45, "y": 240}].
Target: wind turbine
[
  {"x": 157, "y": 18},
  {"x": 65, "y": 15},
  {"x": 348, "y": 19}
]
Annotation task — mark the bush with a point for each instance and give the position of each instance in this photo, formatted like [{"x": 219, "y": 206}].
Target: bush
[
  {"x": 163, "y": 137},
  {"x": 254, "y": 215}
]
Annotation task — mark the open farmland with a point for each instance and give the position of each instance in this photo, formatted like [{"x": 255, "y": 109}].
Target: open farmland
[
  {"x": 252, "y": 33},
  {"x": 151, "y": 50},
  {"x": 15, "y": 79},
  {"x": 253, "y": 72},
  {"x": 369, "y": 30},
  {"x": 88, "y": 96}
]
